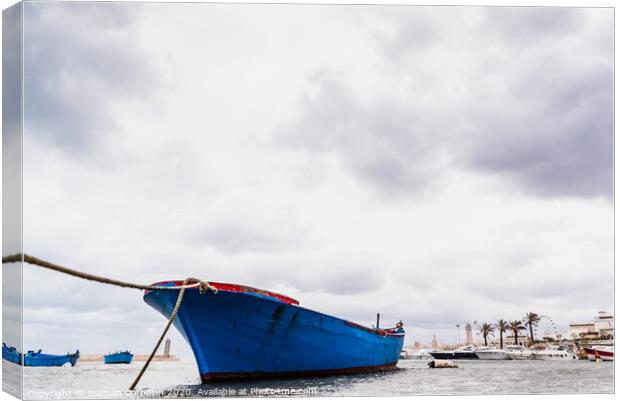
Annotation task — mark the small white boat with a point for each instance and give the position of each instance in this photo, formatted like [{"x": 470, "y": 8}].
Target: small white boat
[
  {"x": 491, "y": 353},
  {"x": 554, "y": 354},
  {"x": 405, "y": 354},
  {"x": 519, "y": 353},
  {"x": 421, "y": 354}
]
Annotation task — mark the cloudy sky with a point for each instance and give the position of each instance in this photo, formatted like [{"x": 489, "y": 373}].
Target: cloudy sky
[{"x": 436, "y": 164}]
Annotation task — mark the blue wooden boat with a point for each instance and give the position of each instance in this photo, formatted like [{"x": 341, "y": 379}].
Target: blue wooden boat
[
  {"x": 11, "y": 354},
  {"x": 243, "y": 332},
  {"x": 118, "y": 357},
  {"x": 37, "y": 358}
]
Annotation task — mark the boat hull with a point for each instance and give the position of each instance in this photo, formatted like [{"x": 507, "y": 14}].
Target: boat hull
[
  {"x": 521, "y": 356},
  {"x": 465, "y": 355},
  {"x": 39, "y": 359},
  {"x": 11, "y": 354},
  {"x": 420, "y": 356},
  {"x": 605, "y": 354},
  {"x": 442, "y": 355},
  {"x": 238, "y": 335},
  {"x": 554, "y": 356},
  {"x": 120, "y": 357},
  {"x": 493, "y": 355}
]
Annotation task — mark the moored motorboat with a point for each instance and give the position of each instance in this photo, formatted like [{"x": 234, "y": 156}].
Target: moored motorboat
[
  {"x": 118, "y": 357},
  {"x": 466, "y": 352},
  {"x": 421, "y": 354},
  {"x": 442, "y": 354},
  {"x": 11, "y": 354},
  {"x": 243, "y": 332},
  {"x": 491, "y": 353},
  {"x": 405, "y": 353},
  {"x": 519, "y": 353},
  {"x": 602, "y": 352},
  {"x": 37, "y": 358},
  {"x": 554, "y": 354}
]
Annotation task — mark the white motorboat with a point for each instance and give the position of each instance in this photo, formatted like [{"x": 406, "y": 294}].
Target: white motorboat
[
  {"x": 491, "y": 353},
  {"x": 519, "y": 353},
  {"x": 421, "y": 354},
  {"x": 554, "y": 354},
  {"x": 405, "y": 353},
  {"x": 465, "y": 352}
]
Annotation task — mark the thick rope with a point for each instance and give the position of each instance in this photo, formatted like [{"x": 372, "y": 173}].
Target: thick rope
[
  {"x": 188, "y": 283},
  {"x": 163, "y": 335}
]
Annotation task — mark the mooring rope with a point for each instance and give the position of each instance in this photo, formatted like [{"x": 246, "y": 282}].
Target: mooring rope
[
  {"x": 191, "y": 282},
  {"x": 163, "y": 335},
  {"x": 187, "y": 283}
]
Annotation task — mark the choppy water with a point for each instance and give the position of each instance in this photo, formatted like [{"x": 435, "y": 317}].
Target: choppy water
[{"x": 180, "y": 379}]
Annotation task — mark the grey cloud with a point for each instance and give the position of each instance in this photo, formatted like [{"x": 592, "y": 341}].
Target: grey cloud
[
  {"x": 382, "y": 141},
  {"x": 413, "y": 34},
  {"x": 246, "y": 228},
  {"x": 77, "y": 70},
  {"x": 547, "y": 122},
  {"x": 235, "y": 238},
  {"x": 547, "y": 288},
  {"x": 344, "y": 280},
  {"x": 327, "y": 274},
  {"x": 531, "y": 26},
  {"x": 551, "y": 129},
  {"x": 539, "y": 116}
]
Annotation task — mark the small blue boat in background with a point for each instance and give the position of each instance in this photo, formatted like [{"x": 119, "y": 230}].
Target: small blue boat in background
[
  {"x": 242, "y": 332},
  {"x": 39, "y": 359},
  {"x": 11, "y": 354},
  {"x": 118, "y": 357}
]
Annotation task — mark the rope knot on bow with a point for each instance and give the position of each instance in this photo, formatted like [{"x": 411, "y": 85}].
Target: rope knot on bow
[{"x": 203, "y": 287}]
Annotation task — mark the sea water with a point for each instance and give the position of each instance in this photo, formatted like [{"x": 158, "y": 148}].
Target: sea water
[{"x": 181, "y": 379}]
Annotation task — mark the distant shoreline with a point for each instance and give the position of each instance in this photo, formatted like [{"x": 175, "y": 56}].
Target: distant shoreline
[{"x": 136, "y": 358}]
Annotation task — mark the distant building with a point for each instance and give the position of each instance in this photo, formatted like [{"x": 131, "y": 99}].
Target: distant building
[
  {"x": 469, "y": 338},
  {"x": 601, "y": 326},
  {"x": 509, "y": 339},
  {"x": 167, "y": 348},
  {"x": 582, "y": 330},
  {"x": 434, "y": 343},
  {"x": 604, "y": 323}
]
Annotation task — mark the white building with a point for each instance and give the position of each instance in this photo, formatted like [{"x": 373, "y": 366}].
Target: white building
[{"x": 602, "y": 325}]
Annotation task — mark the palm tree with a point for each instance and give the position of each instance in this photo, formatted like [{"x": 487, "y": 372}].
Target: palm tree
[
  {"x": 532, "y": 319},
  {"x": 486, "y": 330},
  {"x": 516, "y": 326},
  {"x": 502, "y": 326}
]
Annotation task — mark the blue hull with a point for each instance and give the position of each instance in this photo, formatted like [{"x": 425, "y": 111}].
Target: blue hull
[
  {"x": 11, "y": 354},
  {"x": 39, "y": 359},
  {"x": 119, "y": 357},
  {"x": 243, "y": 334}
]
